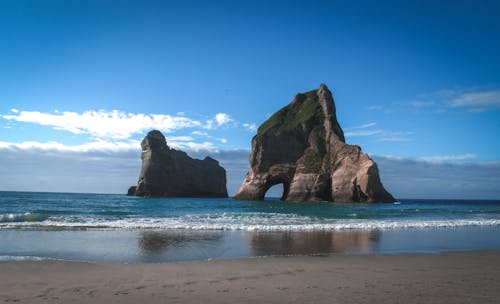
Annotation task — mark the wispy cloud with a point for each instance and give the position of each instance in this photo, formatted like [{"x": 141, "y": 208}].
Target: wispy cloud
[
  {"x": 471, "y": 100},
  {"x": 96, "y": 146},
  {"x": 194, "y": 146},
  {"x": 199, "y": 133},
  {"x": 447, "y": 158},
  {"x": 361, "y": 130},
  {"x": 374, "y": 108},
  {"x": 477, "y": 100},
  {"x": 423, "y": 104},
  {"x": 395, "y": 138},
  {"x": 452, "y": 158},
  {"x": 180, "y": 138},
  {"x": 398, "y": 136},
  {"x": 442, "y": 101},
  {"x": 380, "y": 108},
  {"x": 362, "y": 133},
  {"x": 101, "y": 146},
  {"x": 382, "y": 135},
  {"x": 250, "y": 127},
  {"x": 363, "y": 126}
]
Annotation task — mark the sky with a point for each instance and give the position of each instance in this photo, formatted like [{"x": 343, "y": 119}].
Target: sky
[{"x": 416, "y": 84}]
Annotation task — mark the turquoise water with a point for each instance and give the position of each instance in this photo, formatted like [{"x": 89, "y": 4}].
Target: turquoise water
[
  {"x": 118, "y": 228},
  {"x": 22, "y": 210}
]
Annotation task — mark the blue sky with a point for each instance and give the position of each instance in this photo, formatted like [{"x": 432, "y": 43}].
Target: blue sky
[{"x": 415, "y": 82}]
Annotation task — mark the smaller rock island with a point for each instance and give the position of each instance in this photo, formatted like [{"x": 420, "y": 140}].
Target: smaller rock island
[{"x": 168, "y": 172}]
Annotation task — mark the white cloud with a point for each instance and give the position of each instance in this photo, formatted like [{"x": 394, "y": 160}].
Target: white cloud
[
  {"x": 194, "y": 146},
  {"x": 472, "y": 101},
  {"x": 356, "y": 133},
  {"x": 361, "y": 130},
  {"x": 368, "y": 125},
  {"x": 452, "y": 158},
  {"x": 222, "y": 119},
  {"x": 101, "y": 146},
  {"x": 250, "y": 127},
  {"x": 379, "y": 134},
  {"x": 101, "y": 124},
  {"x": 395, "y": 138},
  {"x": 115, "y": 124},
  {"x": 363, "y": 126},
  {"x": 180, "y": 138},
  {"x": 447, "y": 158},
  {"x": 374, "y": 108},
  {"x": 477, "y": 100},
  {"x": 199, "y": 133},
  {"x": 96, "y": 146}
]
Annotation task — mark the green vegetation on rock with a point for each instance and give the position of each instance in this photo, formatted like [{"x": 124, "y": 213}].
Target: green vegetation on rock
[{"x": 305, "y": 107}]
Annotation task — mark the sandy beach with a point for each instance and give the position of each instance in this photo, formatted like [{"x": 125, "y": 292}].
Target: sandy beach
[{"x": 464, "y": 277}]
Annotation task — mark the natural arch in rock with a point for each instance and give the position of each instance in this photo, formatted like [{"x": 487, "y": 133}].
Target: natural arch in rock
[
  {"x": 303, "y": 146},
  {"x": 277, "y": 190}
]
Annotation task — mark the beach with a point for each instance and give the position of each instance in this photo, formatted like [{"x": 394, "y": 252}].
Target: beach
[
  {"x": 94, "y": 248},
  {"x": 459, "y": 277}
]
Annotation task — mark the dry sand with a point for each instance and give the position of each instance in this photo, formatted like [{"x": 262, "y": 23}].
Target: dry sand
[{"x": 468, "y": 277}]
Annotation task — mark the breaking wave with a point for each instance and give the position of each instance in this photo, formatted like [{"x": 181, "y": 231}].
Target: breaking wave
[{"x": 234, "y": 221}]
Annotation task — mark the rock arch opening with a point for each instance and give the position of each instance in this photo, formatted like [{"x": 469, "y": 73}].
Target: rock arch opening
[{"x": 275, "y": 191}]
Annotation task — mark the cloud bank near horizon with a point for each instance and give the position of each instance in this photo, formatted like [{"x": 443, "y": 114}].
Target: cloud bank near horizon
[{"x": 56, "y": 168}]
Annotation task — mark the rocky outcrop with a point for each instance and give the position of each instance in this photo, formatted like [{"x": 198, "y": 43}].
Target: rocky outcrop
[
  {"x": 302, "y": 146},
  {"x": 168, "y": 172}
]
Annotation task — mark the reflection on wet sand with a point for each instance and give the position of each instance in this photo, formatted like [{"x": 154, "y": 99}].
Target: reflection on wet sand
[
  {"x": 312, "y": 242},
  {"x": 155, "y": 242},
  {"x": 176, "y": 245}
]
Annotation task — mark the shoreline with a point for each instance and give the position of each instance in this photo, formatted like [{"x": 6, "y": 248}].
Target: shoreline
[
  {"x": 156, "y": 246},
  {"x": 454, "y": 277}
]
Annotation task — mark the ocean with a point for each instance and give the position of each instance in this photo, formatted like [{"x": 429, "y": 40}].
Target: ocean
[{"x": 118, "y": 228}]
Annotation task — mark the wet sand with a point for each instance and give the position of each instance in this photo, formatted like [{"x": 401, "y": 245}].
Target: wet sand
[{"x": 466, "y": 277}]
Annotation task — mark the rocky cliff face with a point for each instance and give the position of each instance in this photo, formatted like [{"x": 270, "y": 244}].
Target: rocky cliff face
[
  {"x": 302, "y": 146},
  {"x": 170, "y": 173}
]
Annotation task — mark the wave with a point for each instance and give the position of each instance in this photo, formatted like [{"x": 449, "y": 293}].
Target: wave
[{"x": 241, "y": 221}]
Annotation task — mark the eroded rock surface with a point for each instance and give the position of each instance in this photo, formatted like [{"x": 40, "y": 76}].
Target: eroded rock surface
[
  {"x": 303, "y": 147},
  {"x": 168, "y": 172}
]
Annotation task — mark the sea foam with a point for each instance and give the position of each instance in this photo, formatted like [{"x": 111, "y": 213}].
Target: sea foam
[{"x": 242, "y": 221}]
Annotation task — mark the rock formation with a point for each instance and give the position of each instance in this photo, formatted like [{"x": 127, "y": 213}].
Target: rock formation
[
  {"x": 302, "y": 146},
  {"x": 171, "y": 173}
]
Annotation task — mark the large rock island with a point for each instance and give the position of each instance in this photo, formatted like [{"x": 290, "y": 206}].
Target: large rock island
[
  {"x": 168, "y": 172},
  {"x": 302, "y": 146}
]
